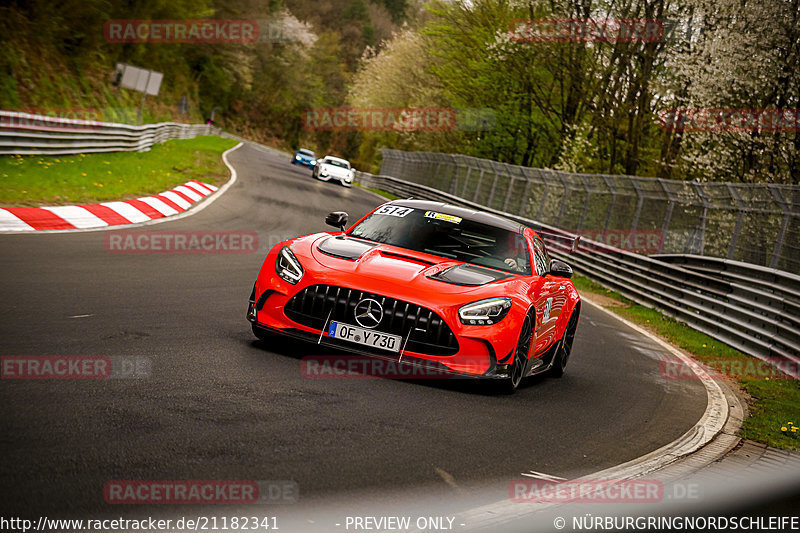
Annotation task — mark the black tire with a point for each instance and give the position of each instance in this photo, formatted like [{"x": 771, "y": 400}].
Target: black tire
[
  {"x": 565, "y": 347},
  {"x": 510, "y": 384}
]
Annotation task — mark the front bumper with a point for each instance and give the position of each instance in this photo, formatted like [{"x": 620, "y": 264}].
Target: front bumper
[
  {"x": 344, "y": 180},
  {"x": 305, "y": 162},
  {"x": 483, "y": 351}
]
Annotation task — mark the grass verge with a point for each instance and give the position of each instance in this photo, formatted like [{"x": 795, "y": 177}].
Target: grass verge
[
  {"x": 774, "y": 400},
  {"x": 379, "y": 192},
  {"x": 92, "y": 178}
]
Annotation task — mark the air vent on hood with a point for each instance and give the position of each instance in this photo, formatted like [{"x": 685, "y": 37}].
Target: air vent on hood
[
  {"x": 469, "y": 275},
  {"x": 345, "y": 248},
  {"x": 387, "y": 253}
]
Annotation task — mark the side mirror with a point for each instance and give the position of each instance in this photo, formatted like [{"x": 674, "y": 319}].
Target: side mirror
[
  {"x": 337, "y": 219},
  {"x": 560, "y": 269}
]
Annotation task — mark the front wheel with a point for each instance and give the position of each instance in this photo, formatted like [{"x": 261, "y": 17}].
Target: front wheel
[
  {"x": 565, "y": 347},
  {"x": 510, "y": 384}
]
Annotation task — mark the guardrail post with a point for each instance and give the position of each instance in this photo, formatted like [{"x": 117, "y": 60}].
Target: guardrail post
[
  {"x": 639, "y": 203},
  {"x": 787, "y": 215},
  {"x": 588, "y": 190},
  {"x": 466, "y": 182},
  {"x": 700, "y": 235},
  {"x": 478, "y": 186},
  {"x": 511, "y": 180},
  {"x": 454, "y": 180},
  {"x": 494, "y": 185},
  {"x": 544, "y": 194},
  {"x": 737, "y": 228},
  {"x": 613, "y": 190},
  {"x": 524, "y": 203},
  {"x": 564, "y": 198},
  {"x": 668, "y": 215}
]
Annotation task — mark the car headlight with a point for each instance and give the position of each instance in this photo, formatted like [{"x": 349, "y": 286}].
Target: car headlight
[
  {"x": 485, "y": 312},
  {"x": 297, "y": 157},
  {"x": 313, "y": 162},
  {"x": 288, "y": 267}
]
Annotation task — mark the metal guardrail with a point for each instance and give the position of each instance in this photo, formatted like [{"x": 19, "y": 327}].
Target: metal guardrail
[
  {"x": 750, "y": 308},
  {"x": 29, "y": 134},
  {"x": 754, "y": 222}
]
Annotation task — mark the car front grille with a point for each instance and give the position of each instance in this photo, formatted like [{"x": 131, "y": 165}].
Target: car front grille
[{"x": 430, "y": 334}]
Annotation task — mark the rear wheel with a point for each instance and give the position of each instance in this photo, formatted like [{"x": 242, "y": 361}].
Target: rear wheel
[
  {"x": 565, "y": 347},
  {"x": 511, "y": 383}
]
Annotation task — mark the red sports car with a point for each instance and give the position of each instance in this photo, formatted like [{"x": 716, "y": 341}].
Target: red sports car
[{"x": 427, "y": 284}]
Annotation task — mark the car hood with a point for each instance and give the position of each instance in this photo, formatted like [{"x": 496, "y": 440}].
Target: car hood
[{"x": 393, "y": 265}]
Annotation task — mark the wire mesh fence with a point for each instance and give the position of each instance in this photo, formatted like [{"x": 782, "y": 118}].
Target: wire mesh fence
[{"x": 754, "y": 223}]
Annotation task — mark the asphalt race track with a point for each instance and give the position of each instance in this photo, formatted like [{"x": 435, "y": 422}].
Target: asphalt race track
[{"x": 219, "y": 404}]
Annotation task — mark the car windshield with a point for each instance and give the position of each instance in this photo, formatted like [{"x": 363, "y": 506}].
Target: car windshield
[
  {"x": 306, "y": 152},
  {"x": 446, "y": 236},
  {"x": 334, "y": 162}
]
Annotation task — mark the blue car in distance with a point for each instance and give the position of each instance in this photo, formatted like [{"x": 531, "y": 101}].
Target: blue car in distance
[{"x": 304, "y": 157}]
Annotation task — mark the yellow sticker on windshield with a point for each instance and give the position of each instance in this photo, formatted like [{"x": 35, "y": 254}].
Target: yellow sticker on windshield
[{"x": 442, "y": 216}]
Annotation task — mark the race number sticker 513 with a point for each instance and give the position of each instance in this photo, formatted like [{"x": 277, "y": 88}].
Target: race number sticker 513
[{"x": 393, "y": 210}]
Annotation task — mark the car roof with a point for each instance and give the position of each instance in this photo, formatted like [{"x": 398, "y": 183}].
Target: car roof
[
  {"x": 305, "y": 151},
  {"x": 337, "y": 159},
  {"x": 467, "y": 214}
]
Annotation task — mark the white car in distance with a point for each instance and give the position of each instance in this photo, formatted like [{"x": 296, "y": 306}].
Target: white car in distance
[{"x": 334, "y": 168}]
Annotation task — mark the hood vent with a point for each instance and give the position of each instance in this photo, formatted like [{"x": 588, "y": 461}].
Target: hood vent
[
  {"x": 469, "y": 275},
  {"x": 345, "y": 248},
  {"x": 404, "y": 257}
]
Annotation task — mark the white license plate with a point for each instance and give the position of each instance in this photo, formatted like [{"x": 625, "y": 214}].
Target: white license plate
[{"x": 365, "y": 337}]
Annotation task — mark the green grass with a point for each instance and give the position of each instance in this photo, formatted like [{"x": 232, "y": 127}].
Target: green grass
[
  {"x": 379, "y": 192},
  {"x": 91, "y": 178},
  {"x": 774, "y": 401}
]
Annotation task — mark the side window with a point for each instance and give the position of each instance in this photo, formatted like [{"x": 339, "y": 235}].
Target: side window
[
  {"x": 545, "y": 255},
  {"x": 540, "y": 256}
]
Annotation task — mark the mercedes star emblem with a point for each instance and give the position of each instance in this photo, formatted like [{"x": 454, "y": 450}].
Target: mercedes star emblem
[{"x": 368, "y": 313}]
